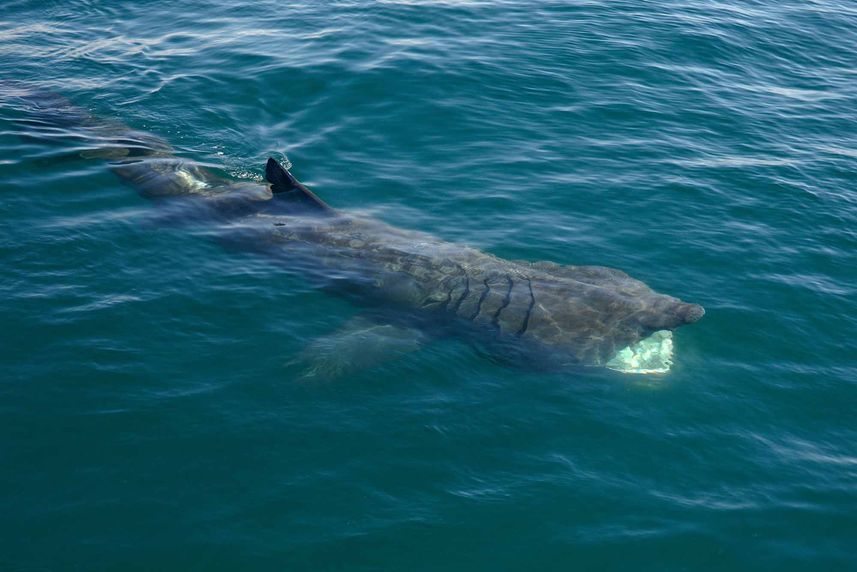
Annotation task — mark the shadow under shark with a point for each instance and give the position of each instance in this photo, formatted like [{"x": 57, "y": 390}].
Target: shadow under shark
[{"x": 540, "y": 313}]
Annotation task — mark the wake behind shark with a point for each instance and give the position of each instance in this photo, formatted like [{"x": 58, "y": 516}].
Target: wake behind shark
[{"x": 540, "y": 313}]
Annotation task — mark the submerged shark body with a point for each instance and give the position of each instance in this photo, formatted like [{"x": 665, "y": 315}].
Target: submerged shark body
[{"x": 542, "y": 313}]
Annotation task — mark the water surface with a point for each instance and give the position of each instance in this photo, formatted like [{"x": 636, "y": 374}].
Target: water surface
[{"x": 152, "y": 419}]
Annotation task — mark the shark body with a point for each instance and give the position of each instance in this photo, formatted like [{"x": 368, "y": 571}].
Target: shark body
[{"x": 541, "y": 312}]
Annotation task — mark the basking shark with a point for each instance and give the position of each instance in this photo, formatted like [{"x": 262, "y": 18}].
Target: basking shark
[{"x": 538, "y": 313}]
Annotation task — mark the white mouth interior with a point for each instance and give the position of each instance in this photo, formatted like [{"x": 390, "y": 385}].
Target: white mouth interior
[{"x": 653, "y": 354}]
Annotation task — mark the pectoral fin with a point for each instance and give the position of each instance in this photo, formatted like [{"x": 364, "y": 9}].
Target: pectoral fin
[{"x": 358, "y": 345}]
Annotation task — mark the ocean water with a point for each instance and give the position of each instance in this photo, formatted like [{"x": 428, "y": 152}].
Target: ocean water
[{"x": 152, "y": 418}]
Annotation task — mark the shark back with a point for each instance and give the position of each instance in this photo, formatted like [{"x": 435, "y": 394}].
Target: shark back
[{"x": 580, "y": 314}]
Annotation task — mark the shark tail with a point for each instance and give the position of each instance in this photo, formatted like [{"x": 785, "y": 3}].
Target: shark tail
[{"x": 43, "y": 109}]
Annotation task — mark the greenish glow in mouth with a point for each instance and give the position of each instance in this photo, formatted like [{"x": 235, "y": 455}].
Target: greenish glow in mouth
[{"x": 653, "y": 354}]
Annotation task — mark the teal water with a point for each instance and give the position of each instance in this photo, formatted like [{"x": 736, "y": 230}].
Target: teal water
[{"x": 152, "y": 419}]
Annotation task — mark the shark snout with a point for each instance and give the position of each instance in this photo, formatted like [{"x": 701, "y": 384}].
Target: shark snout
[
  {"x": 691, "y": 313},
  {"x": 668, "y": 313}
]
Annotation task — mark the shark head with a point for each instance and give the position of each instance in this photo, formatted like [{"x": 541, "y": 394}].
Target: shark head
[
  {"x": 596, "y": 316},
  {"x": 653, "y": 352}
]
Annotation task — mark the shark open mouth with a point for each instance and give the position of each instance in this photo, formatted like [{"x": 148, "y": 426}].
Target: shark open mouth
[{"x": 653, "y": 354}]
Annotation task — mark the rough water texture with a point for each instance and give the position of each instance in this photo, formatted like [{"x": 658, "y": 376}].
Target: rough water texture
[{"x": 153, "y": 414}]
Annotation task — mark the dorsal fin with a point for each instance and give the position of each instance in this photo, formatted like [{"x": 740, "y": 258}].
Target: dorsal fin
[{"x": 284, "y": 184}]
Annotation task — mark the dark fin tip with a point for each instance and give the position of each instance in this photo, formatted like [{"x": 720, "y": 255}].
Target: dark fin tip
[{"x": 280, "y": 179}]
